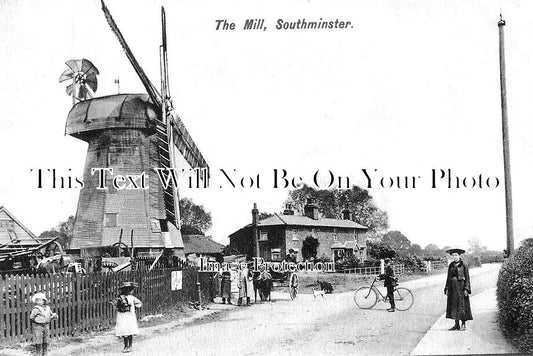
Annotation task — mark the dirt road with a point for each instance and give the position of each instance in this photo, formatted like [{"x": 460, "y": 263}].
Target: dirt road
[{"x": 333, "y": 325}]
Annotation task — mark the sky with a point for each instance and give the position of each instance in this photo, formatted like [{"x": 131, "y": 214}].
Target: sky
[{"x": 413, "y": 86}]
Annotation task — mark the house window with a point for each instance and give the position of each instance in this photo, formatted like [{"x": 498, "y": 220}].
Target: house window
[
  {"x": 263, "y": 236},
  {"x": 110, "y": 219},
  {"x": 335, "y": 237},
  {"x": 294, "y": 235},
  {"x": 275, "y": 254}
]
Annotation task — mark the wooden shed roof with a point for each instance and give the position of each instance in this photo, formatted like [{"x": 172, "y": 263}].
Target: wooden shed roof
[{"x": 13, "y": 232}]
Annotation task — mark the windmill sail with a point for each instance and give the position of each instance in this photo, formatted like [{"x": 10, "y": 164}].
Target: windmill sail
[
  {"x": 150, "y": 89},
  {"x": 188, "y": 147},
  {"x": 170, "y": 132}
]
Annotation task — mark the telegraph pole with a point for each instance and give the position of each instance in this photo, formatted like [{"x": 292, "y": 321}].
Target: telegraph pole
[{"x": 505, "y": 136}]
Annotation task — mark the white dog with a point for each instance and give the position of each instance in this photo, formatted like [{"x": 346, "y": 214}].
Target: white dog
[{"x": 316, "y": 293}]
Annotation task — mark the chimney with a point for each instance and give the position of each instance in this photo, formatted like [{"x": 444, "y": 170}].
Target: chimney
[
  {"x": 311, "y": 209},
  {"x": 255, "y": 232},
  {"x": 347, "y": 214},
  {"x": 288, "y": 209},
  {"x": 255, "y": 215}
]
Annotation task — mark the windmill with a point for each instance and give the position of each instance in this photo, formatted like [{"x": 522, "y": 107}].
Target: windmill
[
  {"x": 132, "y": 133},
  {"x": 83, "y": 75}
]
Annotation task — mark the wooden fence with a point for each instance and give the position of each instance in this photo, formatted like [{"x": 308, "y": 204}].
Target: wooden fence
[
  {"x": 369, "y": 271},
  {"x": 82, "y": 302}
]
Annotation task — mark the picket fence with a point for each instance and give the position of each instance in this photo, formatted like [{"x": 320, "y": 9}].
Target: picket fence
[
  {"x": 82, "y": 302},
  {"x": 370, "y": 271}
]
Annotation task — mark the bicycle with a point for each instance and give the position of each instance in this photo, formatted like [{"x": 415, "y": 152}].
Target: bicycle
[{"x": 366, "y": 297}]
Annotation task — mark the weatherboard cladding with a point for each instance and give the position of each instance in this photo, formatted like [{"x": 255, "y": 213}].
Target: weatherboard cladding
[{"x": 121, "y": 144}]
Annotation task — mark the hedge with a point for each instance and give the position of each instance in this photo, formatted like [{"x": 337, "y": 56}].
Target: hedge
[{"x": 515, "y": 297}]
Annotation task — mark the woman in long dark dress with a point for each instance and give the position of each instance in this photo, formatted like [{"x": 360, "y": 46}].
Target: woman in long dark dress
[{"x": 457, "y": 289}]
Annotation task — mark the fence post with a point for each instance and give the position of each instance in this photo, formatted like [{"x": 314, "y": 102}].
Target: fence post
[{"x": 382, "y": 266}]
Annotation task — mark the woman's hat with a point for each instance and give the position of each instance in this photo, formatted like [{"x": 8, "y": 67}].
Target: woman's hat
[
  {"x": 125, "y": 285},
  {"x": 38, "y": 296},
  {"x": 451, "y": 251}
]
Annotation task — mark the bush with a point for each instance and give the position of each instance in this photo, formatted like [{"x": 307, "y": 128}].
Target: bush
[
  {"x": 471, "y": 260},
  {"x": 353, "y": 262},
  {"x": 347, "y": 263},
  {"x": 515, "y": 298},
  {"x": 413, "y": 263},
  {"x": 491, "y": 257}
]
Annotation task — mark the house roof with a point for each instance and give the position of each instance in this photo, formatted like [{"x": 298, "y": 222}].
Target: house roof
[
  {"x": 300, "y": 220},
  {"x": 201, "y": 244},
  {"x": 13, "y": 232}
]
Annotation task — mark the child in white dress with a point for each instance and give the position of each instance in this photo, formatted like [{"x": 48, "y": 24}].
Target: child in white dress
[{"x": 126, "y": 304}]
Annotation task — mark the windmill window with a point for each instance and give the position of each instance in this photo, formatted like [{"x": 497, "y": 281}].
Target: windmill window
[
  {"x": 110, "y": 219},
  {"x": 155, "y": 225}
]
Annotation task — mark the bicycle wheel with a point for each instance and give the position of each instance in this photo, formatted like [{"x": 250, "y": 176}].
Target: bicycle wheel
[
  {"x": 365, "y": 297},
  {"x": 403, "y": 298}
]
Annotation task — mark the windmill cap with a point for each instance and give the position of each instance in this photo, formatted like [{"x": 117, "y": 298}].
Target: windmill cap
[{"x": 38, "y": 296}]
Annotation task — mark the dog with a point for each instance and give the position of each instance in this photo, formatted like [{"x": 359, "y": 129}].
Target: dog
[
  {"x": 325, "y": 286},
  {"x": 316, "y": 293}
]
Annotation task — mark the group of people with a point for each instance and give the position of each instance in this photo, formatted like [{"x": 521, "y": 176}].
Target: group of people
[
  {"x": 457, "y": 289},
  {"x": 238, "y": 283}
]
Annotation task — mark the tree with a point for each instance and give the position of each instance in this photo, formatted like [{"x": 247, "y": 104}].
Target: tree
[
  {"x": 331, "y": 203},
  {"x": 194, "y": 219},
  {"x": 398, "y": 242},
  {"x": 379, "y": 250},
  {"x": 431, "y": 248},
  {"x": 310, "y": 248},
  {"x": 475, "y": 247},
  {"x": 433, "y": 251},
  {"x": 64, "y": 230},
  {"x": 416, "y": 250}
]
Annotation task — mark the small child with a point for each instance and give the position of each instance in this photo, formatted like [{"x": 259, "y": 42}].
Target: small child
[
  {"x": 126, "y": 325},
  {"x": 40, "y": 317}
]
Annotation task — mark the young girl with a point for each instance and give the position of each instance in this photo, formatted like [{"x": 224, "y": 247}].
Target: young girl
[
  {"x": 40, "y": 317},
  {"x": 126, "y": 325}
]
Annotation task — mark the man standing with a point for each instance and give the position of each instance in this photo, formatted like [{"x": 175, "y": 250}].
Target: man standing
[{"x": 389, "y": 283}]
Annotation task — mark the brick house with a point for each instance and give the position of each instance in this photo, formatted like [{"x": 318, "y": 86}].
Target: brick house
[{"x": 277, "y": 234}]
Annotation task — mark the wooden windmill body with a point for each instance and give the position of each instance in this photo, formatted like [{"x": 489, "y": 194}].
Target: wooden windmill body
[{"x": 130, "y": 133}]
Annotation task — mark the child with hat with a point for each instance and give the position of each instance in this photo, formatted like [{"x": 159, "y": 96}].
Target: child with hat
[
  {"x": 126, "y": 325},
  {"x": 40, "y": 317}
]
